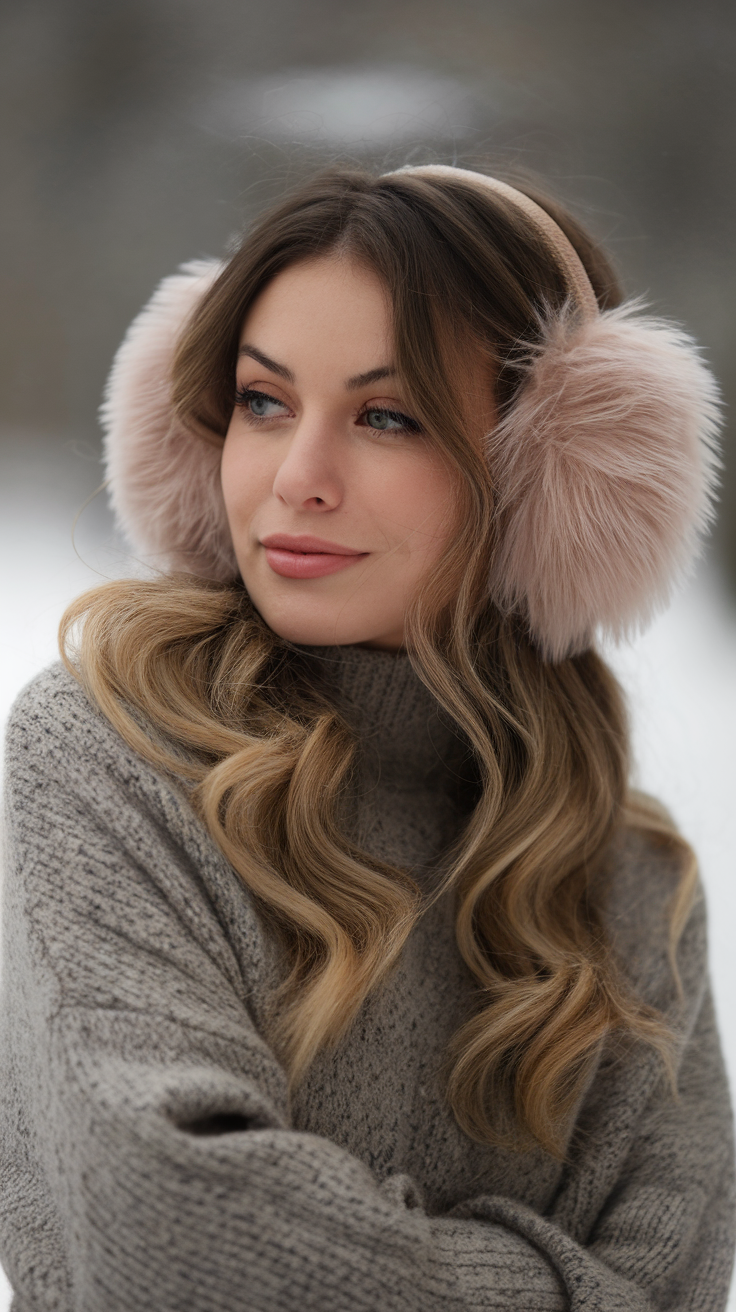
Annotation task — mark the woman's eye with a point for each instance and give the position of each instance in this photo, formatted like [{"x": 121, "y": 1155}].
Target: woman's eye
[
  {"x": 391, "y": 421},
  {"x": 259, "y": 404}
]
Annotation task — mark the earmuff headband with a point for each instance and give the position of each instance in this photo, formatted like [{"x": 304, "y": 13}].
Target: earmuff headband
[
  {"x": 604, "y": 468},
  {"x": 556, "y": 241}
]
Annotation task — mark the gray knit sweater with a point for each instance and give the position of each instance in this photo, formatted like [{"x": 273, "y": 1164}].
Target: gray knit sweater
[{"x": 150, "y": 1158}]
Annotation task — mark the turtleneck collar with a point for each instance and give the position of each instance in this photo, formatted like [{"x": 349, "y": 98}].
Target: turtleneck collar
[{"x": 412, "y": 786}]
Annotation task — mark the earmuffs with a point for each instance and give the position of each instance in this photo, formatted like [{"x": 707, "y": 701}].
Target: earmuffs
[{"x": 604, "y": 467}]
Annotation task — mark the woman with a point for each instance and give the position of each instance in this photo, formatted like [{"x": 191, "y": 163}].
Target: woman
[{"x": 342, "y": 968}]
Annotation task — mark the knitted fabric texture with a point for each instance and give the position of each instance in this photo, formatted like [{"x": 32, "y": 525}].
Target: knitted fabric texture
[{"x": 150, "y": 1156}]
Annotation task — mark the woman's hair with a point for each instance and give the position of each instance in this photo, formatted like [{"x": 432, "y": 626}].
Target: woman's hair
[{"x": 197, "y": 683}]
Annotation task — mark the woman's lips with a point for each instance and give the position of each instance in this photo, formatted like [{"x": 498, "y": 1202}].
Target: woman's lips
[{"x": 303, "y": 557}]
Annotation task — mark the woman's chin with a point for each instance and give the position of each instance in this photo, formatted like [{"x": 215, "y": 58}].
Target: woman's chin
[{"x": 319, "y": 630}]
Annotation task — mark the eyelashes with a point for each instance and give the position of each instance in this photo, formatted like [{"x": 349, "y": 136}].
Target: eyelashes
[
  {"x": 245, "y": 397},
  {"x": 379, "y": 419},
  {"x": 388, "y": 421}
]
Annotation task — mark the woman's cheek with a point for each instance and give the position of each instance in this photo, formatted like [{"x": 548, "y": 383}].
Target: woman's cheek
[
  {"x": 246, "y": 476},
  {"x": 424, "y": 500}
]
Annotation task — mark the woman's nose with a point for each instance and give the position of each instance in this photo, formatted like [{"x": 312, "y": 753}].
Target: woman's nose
[{"x": 308, "y": 477}]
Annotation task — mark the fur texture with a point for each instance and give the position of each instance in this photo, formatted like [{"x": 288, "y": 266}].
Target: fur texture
[
  {"x": 164, "y": 479},
  {"x": 604, "y": 467}
]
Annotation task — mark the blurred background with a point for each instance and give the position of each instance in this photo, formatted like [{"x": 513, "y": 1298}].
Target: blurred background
[{"x": 136, "y": 134}]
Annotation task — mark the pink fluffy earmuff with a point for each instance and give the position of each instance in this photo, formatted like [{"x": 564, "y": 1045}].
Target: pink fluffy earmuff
[{"x": 604, "y": 467}]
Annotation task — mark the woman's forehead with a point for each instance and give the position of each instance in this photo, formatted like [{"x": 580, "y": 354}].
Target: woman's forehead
[{"x": 329, "y": 307}]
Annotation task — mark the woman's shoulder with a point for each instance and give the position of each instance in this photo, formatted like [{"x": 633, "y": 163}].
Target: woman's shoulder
[
  {"x": 53, "y": 706},
  {"x": 645, "y": 891},
  {"x": 60, "y": 749},
  {"x": 55, "y": 732},
  {"x": 54, "y": 719},
  {"x": 82, "y": 806}
]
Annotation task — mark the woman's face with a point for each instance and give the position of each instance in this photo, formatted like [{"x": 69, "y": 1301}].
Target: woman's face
[{"x": 337, "y": 503}]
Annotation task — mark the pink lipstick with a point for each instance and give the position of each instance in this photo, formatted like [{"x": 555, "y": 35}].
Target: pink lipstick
[{"x": 300, "y": 556}]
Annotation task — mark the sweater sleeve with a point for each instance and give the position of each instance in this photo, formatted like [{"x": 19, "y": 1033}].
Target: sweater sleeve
[
  {"x": 664, "y": 1235},
  {"x": 147, "y": 1156}
]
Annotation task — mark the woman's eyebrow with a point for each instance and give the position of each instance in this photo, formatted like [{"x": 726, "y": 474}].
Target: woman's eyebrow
[
  {"x": 352, "y": 384},
  {"x": 372, "y": 376},
  {"x": 267, "y": 363}
]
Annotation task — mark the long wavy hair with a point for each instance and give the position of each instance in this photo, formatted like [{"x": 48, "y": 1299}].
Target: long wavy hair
[{"x": 192, "y": 677}]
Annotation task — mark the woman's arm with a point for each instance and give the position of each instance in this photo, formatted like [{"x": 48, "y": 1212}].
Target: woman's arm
[
  {"x": 146, "y": 1149},
  {"x": 663, "y": 1236}
]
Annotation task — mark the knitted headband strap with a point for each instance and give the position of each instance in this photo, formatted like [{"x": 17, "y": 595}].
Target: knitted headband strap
[{"x": 557, "y": 243}]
